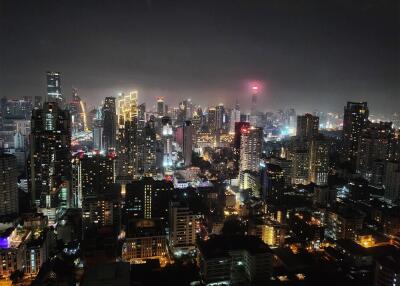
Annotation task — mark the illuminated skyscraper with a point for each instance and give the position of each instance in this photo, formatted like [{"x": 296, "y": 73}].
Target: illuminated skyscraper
[
  {"x": 167, "y": 137},
  {"x": 54, "y": 88},
  {"x": 235, "y": 117},
  {"x": 220, "y": 117},
  {"x": 307, "y": 126},
  {"x": 8, "y": 185},
  {"x": 254, "y": 98},
  {"x": 240, "y": 127},
  {"x": 93, "y": 174},
  {"x": 160, "y": 106},
  {"x": 374, "y": 150},
  {"x": 354, "y": 121},
  {"x": 127, "y": 107},
  {"x": 149, "y": 154},
  {"x": 182, "y": 232},
  {"x": 250, "y": 149},
  {"x": 50, "y": 158},
  {"x": 319, "y": 161},
  {"x": 188, "y": 133},
  {"x": 148, "y": 198},
  {"x": 109, "y": 123},
  {"x": 127, "y": 149},
  {"x": 212, "y": 120}
]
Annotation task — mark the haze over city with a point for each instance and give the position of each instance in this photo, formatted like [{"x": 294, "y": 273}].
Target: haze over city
[{"x": 309, "y": 55}]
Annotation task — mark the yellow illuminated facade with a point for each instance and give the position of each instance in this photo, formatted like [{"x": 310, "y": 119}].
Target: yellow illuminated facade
[{"x": 127, "y": 107}]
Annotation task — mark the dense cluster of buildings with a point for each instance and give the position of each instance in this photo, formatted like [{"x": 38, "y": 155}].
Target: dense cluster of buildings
[{"x": 246, "y": 198}]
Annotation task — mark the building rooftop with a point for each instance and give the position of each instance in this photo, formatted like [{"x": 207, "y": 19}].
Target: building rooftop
[{"x": 219, "y": 246}]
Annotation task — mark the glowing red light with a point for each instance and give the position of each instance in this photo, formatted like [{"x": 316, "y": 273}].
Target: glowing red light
[
  {"x": 244, "y": 130},
  {"x": 255, "y": 88}
]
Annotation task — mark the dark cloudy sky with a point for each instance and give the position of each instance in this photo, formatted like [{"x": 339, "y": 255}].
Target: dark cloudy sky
[{"x": 306, "y": 54}]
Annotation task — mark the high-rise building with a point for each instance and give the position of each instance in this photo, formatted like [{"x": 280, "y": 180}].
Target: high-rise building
[
  {"x": 254, "y": 98},
  {"x": 220, "y": 117},
  {"x": 344, "y": 223},
  {"x": 127, "y": 107},
  {"x": 148, "y": 198},
  {"x": 188, "y": 133},
  {"x": 374, "y": 149},
  {"x": 160, "y": 106},
  {"x": 235, "y": 117},
  {"x": 8, "y": 185},
  {"x": 307, "y": 126},
  {"x": 182, "y": 228},
  {"x": 54, "y": 88},
  {"x": 250, "y": 149},
  {"x": 109, "y": 124},
  {"x": 149, "y": 154},
  {"x": 319, "y": 161},
  {"x": 50, "y": 158},
  {"x": 127, "y": 145},
  {"x": 212, "y": 120},
  {"x": 167, "y": 137},
  {"x": 272, "y": 181},
  {"x": 355, "y": 119},
  {"x": 392, "y": 181},
  {"x": 300, "y": 166},
  {"x": 240, "y": 127},
  {"x": 93, "y": 173}
]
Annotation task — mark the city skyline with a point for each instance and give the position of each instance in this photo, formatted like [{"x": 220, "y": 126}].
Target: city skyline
[{"x": 210, "y": 52}]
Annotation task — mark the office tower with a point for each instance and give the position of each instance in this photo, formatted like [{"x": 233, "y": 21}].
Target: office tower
[
  {"x": 127, "y": 107},
  {"x": 188, "y": 133},
  {"x": 374, "y": 149},
  {"x": 167, "y": 137},
  {"x": 8, "y": 185},
  {"x": 160, "y": 106},
  {"x": 392, "y": 181},
  {"x": 109, "y": 123},
  {"x": 300, "y": 166},
  {"x": 235, "y": 117},
  {"x": 240, "y": 127},
  {"x": 319, "y": 161},
  {"x": 148, "y": 198},
  {"x": 182, "y": 228},
  {"x": 50, "y": 158},
  {"x": 235, "y": 260},
  {"x": 212, "y": 120},
  {"x": 355, "y": 119},
  {"x": 250, "y": 149},
  {"x": 54, "y": 88},
  {"x": 272, "y": 181},
  {"x": 220, "y": 117},
  {"x": 150, "y": 147},
  {"x": 307, "y": 126}
]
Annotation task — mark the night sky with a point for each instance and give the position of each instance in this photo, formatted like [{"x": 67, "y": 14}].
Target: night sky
[{"x": 305, "y": 54}]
